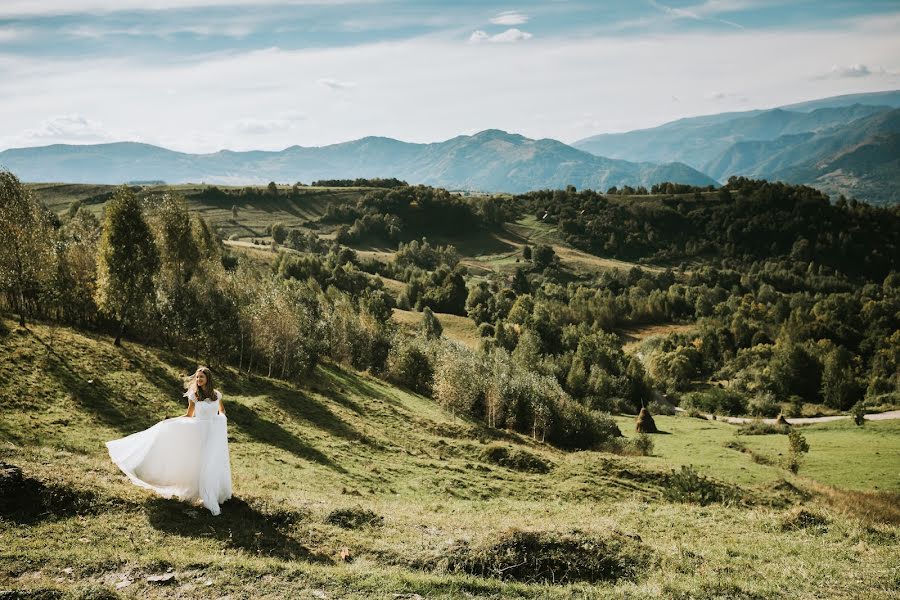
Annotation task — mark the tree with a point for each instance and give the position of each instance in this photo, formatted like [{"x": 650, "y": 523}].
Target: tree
[
  {"x": 520, "y": 283},
  {"x": 279, "y": 232},
  {"x": 431, "y": 327},
  {"x": 128, "y": 260},
  {"x": 839, "y": 387},
  {"x": 25, "y": 243}
]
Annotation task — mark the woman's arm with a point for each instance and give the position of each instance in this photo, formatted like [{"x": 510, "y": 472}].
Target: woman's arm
[{"x": 221, "y": 406}]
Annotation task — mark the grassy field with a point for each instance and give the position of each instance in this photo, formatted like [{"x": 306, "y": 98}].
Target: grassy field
[{"x": 347, "y": 442}]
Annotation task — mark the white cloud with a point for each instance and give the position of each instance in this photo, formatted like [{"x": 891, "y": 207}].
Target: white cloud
[
  {"x": 8, "y": 34},
  {"x": 68, "y": 128},
  {"x": 18, "y": 8},
  {"x": 510, "y": 17},
  {"x": 255, "y": 126},
  {"x": 334, "y": 84},
  {"x": 509, "y": 36},
  {"x": 840, "y": 72},
  {"x": 413, "y": 87}
]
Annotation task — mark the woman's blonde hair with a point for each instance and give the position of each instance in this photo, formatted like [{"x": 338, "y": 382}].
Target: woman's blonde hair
[{"x": 206, "y": 392}]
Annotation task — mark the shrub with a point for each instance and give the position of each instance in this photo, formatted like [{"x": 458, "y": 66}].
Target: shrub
[
  {"x": 515, "y": 459},
  {"x": 661, "y": 407},
  {"x": 797, "y": 447},
  {"x": 577, "y": 427},
  {"x": 353, "y": 518},
  {"x": 689, "y": 486},
  {"x": 718, "y": 401},
  {"x": 858, "y": 411},
  {"x": 801, "y": 518},
  {"x": 409, "y": 364},
  {"x": 758, "y": 427},
  {"x": 642, "y": 444},
  {"x": 764, "y": 406},
  {"x": 553, "y": 557}
]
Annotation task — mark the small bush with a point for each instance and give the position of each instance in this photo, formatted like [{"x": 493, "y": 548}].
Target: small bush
[
  {"x": 515, "y": 459},
  {"x": 797, "y": 447},
  {"x": 717, "y": 401},
  {"x": 96, "y": 592},
  {"x": 410, "y": 364},
  {"x": 858, "y": 411},
  {"x": 689, "y": 486},
  {"x": 764, "y": 406},
  {"x": 801, "y": 518},
  {"x": 553, "y": 557},
  {"x": 642, "y": 444},
  {"x": 759, "y": 427},
  {"x": 353, "y": 518},
  {"x": 661, "y": 407}
]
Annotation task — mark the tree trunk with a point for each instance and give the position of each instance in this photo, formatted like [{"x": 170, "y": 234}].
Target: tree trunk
[
  {"x": 241, "y": 354},
  {"x": 118, "y": 341}
]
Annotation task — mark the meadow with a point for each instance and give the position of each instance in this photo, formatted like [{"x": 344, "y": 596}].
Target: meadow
[{"x": 417, "y": 497}]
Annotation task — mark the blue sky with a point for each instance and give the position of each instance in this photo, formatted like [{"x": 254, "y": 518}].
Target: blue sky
[{"x": 202, "y": 75}]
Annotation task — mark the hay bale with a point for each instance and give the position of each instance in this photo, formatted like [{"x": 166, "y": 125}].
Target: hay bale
[
  {"x": 644, "y": 422},
  {"x": 782, "y": 421}
]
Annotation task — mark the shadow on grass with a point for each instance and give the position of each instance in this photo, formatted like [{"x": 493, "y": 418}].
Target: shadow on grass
[
  {"x": 26, "y": 501},
  {"x": 108, "y": 405},
  {"x": 240, "y": 526},
  {"x": 269, "y": 432}
]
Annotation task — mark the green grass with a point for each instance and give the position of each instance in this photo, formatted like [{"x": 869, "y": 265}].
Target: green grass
[
  {"x": 844, "y": 455},
  {"x": 344, "y": 440}
]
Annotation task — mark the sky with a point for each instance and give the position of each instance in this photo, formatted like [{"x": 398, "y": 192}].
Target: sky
[{"x": 206, "y": 75}]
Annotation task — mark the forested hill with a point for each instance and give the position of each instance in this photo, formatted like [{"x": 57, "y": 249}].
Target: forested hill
[
  {"x": 493, "y": 161},
  {"x": 743, "y": 222}
]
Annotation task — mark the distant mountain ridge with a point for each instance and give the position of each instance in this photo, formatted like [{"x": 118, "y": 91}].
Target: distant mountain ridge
[
  {"x": 819, "y": 143},
  {"x": 492, "y": 160}
]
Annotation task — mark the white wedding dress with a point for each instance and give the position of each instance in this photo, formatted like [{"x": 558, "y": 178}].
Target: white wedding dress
[{"x": 183, "y": 457}]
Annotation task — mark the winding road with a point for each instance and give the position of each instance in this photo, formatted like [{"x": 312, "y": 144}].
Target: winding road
[{"x": 891, "y": 414}]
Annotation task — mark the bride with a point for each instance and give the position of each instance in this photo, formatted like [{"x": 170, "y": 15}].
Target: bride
[{"x": 185, "y": 457}]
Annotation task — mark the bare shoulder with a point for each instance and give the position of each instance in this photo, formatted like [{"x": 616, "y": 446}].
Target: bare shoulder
[{"x": 218, "y": 395}]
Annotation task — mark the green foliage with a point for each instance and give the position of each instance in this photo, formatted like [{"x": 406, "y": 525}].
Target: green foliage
[
  {"x": 431, "y": 327},
  {"x": 552, "y": 557},
  {"x": 279, "y": 232},
  {"x": 689, "y": 486},
  {"x": 716, "y": 401},
  {"x": 390, "y": 182},
  {"x": 515, "y": 458},
  {"x": 128, "y": 260},
  {"x": 839, "y": 387},
  {"x": 25, "y": 244},
  {"x": 410, "y": 364},
  {"x": 354, "y": 518},
  {"x": 759, "y": 427},
  {"x": 797, "y": 447}
]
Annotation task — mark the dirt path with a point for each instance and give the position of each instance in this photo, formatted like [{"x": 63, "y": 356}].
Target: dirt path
[{"x": 891, "y": 414}]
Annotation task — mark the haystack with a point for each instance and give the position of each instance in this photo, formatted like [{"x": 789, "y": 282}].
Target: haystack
[{"x": 644, "y": 422}]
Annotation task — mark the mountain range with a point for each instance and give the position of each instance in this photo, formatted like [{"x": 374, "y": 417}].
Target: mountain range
[
  {"x": 843, "y": 145},
  {"x": 491, "y": 160}
]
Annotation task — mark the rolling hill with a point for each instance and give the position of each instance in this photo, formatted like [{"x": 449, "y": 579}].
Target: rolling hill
[
  {"x": 416, "y": 496},
  {"x": 491, "y": 160}
]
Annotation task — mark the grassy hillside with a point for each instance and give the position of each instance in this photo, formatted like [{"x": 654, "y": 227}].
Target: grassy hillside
[{"x": 445, "y": 498}]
